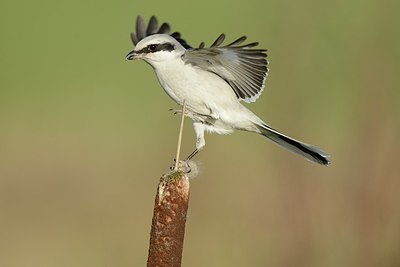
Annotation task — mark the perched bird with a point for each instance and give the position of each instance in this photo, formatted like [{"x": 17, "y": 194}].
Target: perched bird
[{"x": 212, "y": 81}]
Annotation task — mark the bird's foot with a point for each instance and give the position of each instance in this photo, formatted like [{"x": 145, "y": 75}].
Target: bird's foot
[
  {"x": 176, "y": 111},
  {"x": 179, "y": 112},
  {"x": 182, "y": 166}
]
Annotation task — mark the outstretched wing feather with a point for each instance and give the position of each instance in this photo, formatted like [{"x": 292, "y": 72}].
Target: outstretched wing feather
[
  {"x": 140, "y": 28},
  {"x": 241, "y": 66},
  {"x": 152, "y": 28}
]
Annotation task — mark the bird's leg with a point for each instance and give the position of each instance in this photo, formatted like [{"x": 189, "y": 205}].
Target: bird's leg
[
  {"x": 181, "y": 165},
  {"x": 192, "y": 154},
  {"x": 199, "y": 128}
]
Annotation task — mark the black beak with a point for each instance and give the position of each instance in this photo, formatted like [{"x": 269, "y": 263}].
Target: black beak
[{"x": 131, "y": 55}]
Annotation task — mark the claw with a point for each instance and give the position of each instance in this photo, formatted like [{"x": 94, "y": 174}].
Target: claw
[
  {"x": 179, "y": 112},
  {"x": 175, "y": 111},
  {"x": 172, "y": 167},
  {"x": 188, "y": 168}
]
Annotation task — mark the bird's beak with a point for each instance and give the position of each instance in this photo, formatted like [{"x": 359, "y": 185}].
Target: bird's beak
[{"x": 132, "y": 55}]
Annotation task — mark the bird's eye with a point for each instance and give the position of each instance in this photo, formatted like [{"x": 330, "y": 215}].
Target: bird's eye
[{"x": 152, "y": 47}]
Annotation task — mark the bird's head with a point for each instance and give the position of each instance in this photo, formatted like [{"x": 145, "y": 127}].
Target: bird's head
[{"x": 157, "y": 48}]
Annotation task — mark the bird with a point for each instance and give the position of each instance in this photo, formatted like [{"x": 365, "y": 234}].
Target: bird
[{"x": 212, "y": 82}]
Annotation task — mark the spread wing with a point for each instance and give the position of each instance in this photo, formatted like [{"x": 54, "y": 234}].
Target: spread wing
[
  {"x": 152, "y": 28},
  {"x": 241, "y": 66}
]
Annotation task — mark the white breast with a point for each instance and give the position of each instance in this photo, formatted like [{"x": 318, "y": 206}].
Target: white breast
[{"x": 203, "y": 91}]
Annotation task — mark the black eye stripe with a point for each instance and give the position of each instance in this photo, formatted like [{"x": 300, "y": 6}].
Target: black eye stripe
[
  {"x": 152, "y": 48},
  {"x": 166, "y": 47}
]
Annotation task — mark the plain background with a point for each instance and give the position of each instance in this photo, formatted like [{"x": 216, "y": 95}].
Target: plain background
[{"x": 85, "y": 136}]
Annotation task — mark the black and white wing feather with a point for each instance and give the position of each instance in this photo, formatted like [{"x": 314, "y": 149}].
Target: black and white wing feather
[
  {"x": 241, "y": 66},
  {"x": 152, "y": 28}
]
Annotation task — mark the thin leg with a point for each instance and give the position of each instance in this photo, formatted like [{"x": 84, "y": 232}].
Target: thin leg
[
  {"x": 194, "y": 153},
  {"x": 200, "y": 141}
]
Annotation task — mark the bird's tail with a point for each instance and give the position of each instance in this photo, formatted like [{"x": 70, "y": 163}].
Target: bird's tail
[{"x": 307, "y": 151}]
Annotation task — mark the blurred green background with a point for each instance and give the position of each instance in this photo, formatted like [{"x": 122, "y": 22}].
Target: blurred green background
[{"x": 85, "y": 136}]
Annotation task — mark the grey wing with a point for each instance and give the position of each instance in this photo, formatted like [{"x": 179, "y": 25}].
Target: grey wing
[
  {"x": 241, "y": 66},
  {"x": 152, "y": 28}
]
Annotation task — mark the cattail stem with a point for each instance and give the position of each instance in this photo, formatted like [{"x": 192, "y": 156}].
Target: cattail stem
[{"x": 178, "y": 149}]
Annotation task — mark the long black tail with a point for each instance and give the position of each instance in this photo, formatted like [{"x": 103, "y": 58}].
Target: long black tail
[{"x": 307, "y": 151}]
